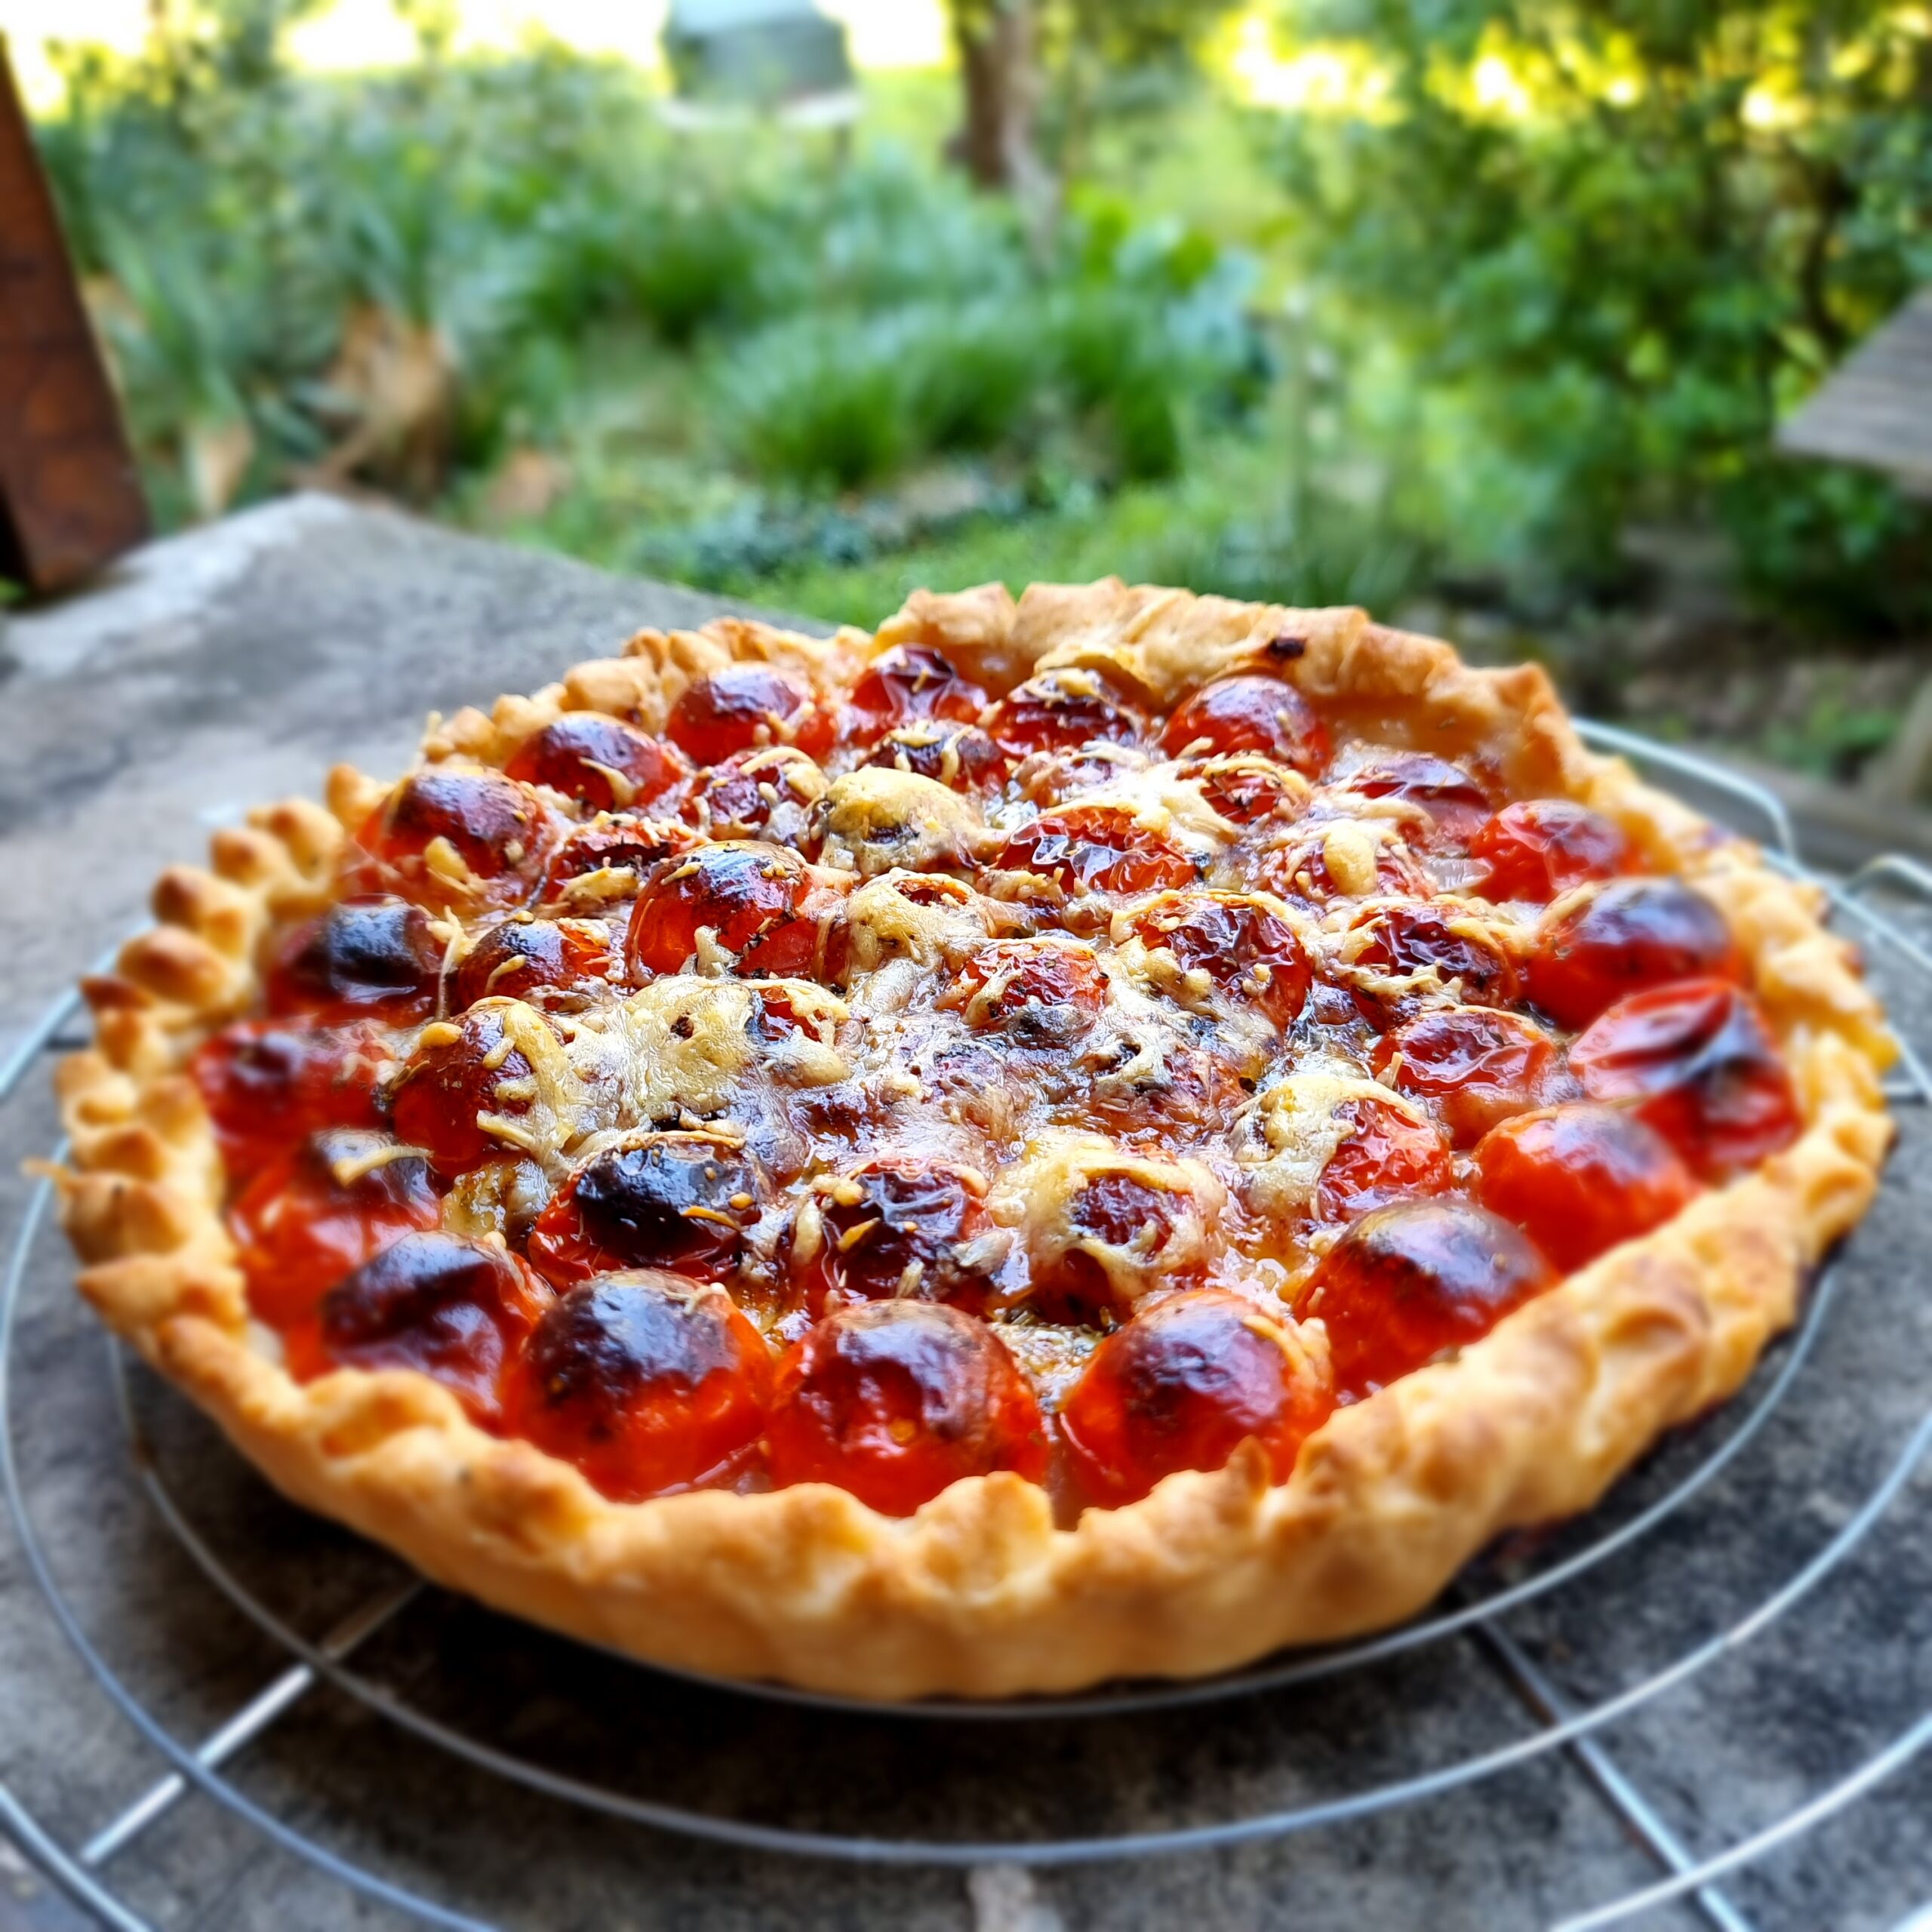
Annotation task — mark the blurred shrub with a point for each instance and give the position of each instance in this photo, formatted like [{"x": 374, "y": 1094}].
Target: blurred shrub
[{"x": 821, "y": 400}]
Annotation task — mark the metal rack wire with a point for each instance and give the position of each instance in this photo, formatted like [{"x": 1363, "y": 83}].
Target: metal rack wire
[{"x": 1475, "y": 1608}]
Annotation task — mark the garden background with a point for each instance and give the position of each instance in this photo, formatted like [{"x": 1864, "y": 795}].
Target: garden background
[{"x": 1483, "y": 313}]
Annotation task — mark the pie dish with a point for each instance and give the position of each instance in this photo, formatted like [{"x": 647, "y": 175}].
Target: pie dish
[{"x": 1091, "y": 1137}]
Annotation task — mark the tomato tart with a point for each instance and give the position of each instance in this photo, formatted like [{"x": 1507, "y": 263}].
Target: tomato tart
[{"x": 1091, "y": 1137}]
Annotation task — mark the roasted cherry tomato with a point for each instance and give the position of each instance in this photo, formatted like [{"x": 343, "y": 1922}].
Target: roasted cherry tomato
[
  {"x": 304, "y": 1222},
  {"x": 1041, "y": 992},
  {"x": 1182, "y": 1384},
  {"x": 905, "y": 684},
  {"x": 1477, "y": 1066},
  {"x": 1387, "y": 1157},
  {"x": 1413, "y": 939},
  {"x": 1249, "y": 713},
  {"x": 1300, "y": 869},
  {"x": 960, "y": 756},
  {"x": 677, "y": 1201},
  {"x": 461, "y": 837},
  {"x": 767, "y": 795},
  {"x": 1696, "y": 1062},
  {"x": 457, "y": 1310},
  {"x": 1581, "y": 1179},
  {"x": 601, "y": 762},
  {"x": 523, "y": 957},
  {"x": 1055, "y": 711},
  {"x": 267, "y": 1087},
  {"x": 374, "y": 953},
  {"x": 647, "y": 1381},
  {"x": 1541, "y": 848},
  {"x": 1097, "y": 848},
  {"x": 1246, "y": 789},
  {"x": 1456, "y": 804},
  {"x": 1406, "y": 1283},
  {"x": 748, "y": 896},
  {"x": 1047, "y": 779},
  {"x": 895, "y": 1401},
  {"x": 742, "y": 706},
  {"x": 1233, "y": 939},
  {"x": 615, "y": 843},
  {"x": 459, "y": 1075},
  {"x": 902, "y": 1227},
  {"x": 1119, "y": 1210},
  {"x": 1635, "y": 934}
]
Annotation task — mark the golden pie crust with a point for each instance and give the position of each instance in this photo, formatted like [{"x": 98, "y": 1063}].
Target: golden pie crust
[{"x": 979, "y": 1594}]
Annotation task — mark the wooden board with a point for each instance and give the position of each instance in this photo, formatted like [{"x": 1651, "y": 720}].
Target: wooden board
[
  {"x": 1876, "y": 409},
  {"x": 69, "y": 499}
]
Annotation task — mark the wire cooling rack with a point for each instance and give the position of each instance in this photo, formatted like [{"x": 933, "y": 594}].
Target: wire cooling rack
[{"x": 374, "y": 1651}]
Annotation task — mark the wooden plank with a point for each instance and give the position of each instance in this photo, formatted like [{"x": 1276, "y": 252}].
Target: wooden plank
[
  {"x": 1876, "y": 409},
  {"x": 70, "y": 499}
]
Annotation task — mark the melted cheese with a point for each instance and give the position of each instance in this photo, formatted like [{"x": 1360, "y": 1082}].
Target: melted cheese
[
  {"x": 879, "y": 820},
  {"x": 1299, "y": 1125},
  {"x": 689, "y": 1045},
  {"x": 885, "y": 923}
]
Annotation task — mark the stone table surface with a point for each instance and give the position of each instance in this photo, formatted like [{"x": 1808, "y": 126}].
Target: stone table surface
[{"x": 237, "y": 663}]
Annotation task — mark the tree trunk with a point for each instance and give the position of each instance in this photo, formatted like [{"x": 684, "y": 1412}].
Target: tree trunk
[{"x": 996, "y": 64}]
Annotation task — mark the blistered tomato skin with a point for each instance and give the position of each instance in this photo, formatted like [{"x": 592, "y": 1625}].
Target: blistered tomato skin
[
  {"x": 1236, "y": 942},
  {"x": 1475, "y": 1066},
  {"x": 1060, "y": 710},
  {"x": 1407, "y": 940},
  {"x": 765, "y": 794},
  {"x": 741, "y": 707},
  {"x": 960, "y": 757},
  {"x": 1251, "y": 712},
  {"x": 750, "y": 896},
  {"x": 374, "y": 953},
  {"x": 267, "y": 1086},
  {"x": 1406, "y": 1283},
  {"x": 451, "y": 1081},
  {"x": 1247, "y": 789},
  {"x": 1181, "y": 1386},
  {"x": 1581, "y": 1179},
  {"x": 906, "y": 683},
  {"x": 1453, "y": 803},
  {"x": 682, "y": 1202},
  {"x": 1117, "y": 1209},
  {"x": 1634, "y": 934},
  {"x": 600, "y": 762},
  {"x": 1036, "y": 991},
  {"x": 495, "y": 828},
  {"x": 304, "y": 1222},
  {"x": 1696, "y": 1062},
  {"x": 1539, "y": 849},
  {"x": 902, "y": 1227},
  {"x": 648, "y": 1382},
  {"x": 895, "y": 1400},
  {"x": 1087, "y": 849},
  {"x": 621, "y": 843},
  {"x": 456, "y": 1310},
  {"x": 1387, "y": 1156},
  {"x": 522, "y": 957}
]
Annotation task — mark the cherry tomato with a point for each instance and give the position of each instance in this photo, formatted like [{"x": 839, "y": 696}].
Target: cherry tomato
[
  {"x": 1246, "y": 790},
  {"x": 1580, "y": 1180},
  {"x": 1696, "y": 1062},
  {"x": 682, "y": 1201},
  {"x": 497, "y": 831},
  {"x": 895, "y": 1401},
  {"x": 1299, "y": 869},
  {"x": 1059, "y": 710},
  {"x": 619, "y": 844},
  {"x": 1251, "y": 712},
  {"x": 1410, "y": 938},
  {"x": 1047, "y": 779},
  {"x": 1117, "y": 1210},
  {"x": 907, "y": 682},
  {"x": 601, "y": 762},
  {"x": 767, "y": 795},
  {"x": 1405, "y": 1284},
  {"x": 1236, "y": 942},
  {"x": 456, "y": 1310},
  {"x": 749, "y": 895},
  {"x": 1041, "y": 992},
  {"x": 267, "y": 1087},
  {"x": 304, "y": 1222},
  {"x": 1477, "y": 1066},
  {"x": 451, "y": 1080},
  {"x": 1184, "y": 1383},
  {"x": 374, "y": 953},
  {"x": 1097, "y": 848},
  {"x": 742, "y": 706},
  {"x": 522, "y": 957},
  {"x": 647, "y": 1381},
  {"x": 1457, "y": 805},
  {"x": 1541, "y": 848},
  {"x": 902, "y": 1226},
  {"x": 960, "y": 756},
  {"x": 1635, "y": 934},
  {"x": 1387, "y": 1157}
]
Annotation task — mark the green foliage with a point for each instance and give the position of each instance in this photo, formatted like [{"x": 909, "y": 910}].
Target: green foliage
[{"x": 1610, "y": 247}]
